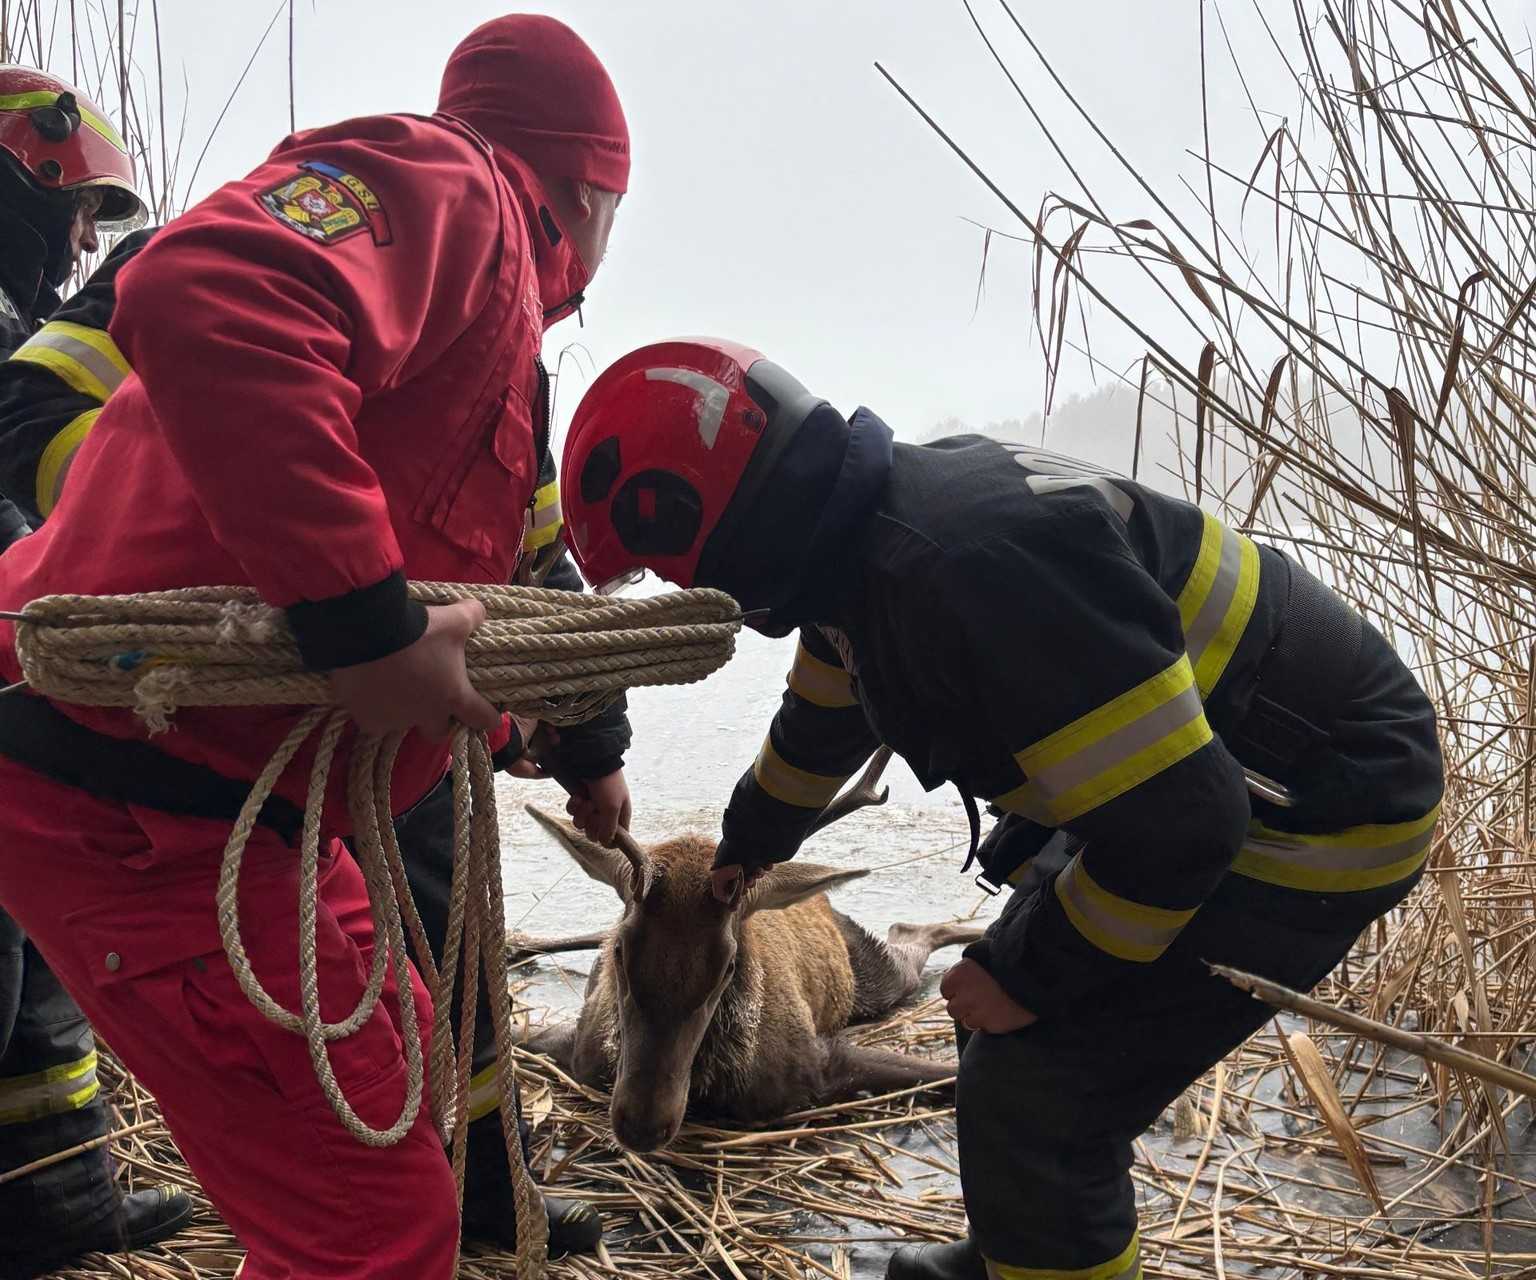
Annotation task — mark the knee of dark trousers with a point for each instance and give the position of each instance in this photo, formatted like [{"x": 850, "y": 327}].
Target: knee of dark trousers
[
  {"x": 1045, "y": 1186},
  {"x": 1009, "y": 1091}
]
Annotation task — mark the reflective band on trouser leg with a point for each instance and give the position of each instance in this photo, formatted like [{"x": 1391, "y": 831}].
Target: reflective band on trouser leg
[
  {"x": 1217, "y": 601},
  {"x": 483, "y": 1096},
  {"x": 545, "y": 527},
  {"x": 1111, "y": 749},
  {"x": 1366, "y": 857},
  {"x": 1126, "y": 929},
  {"x": 820, "y": 682},
  {"x": 85, "y": 359},
  {"x": 794, "y": 786},
  {"x": 68, "y": 1087},
  {"x": 1127, "y": 1266}
]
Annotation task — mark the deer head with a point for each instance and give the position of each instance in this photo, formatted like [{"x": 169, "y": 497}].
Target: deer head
[{"x": 675, "y": 956}]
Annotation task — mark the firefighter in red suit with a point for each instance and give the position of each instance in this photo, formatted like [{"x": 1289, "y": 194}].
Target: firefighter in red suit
[{"x": 335, "y": 389}]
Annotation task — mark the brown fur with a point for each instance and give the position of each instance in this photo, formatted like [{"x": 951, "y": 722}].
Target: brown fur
[{"x": 751, "y": 1044}]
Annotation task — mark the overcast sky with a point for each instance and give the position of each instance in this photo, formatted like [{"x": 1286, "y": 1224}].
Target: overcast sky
[{"x": 782, "y": 192}]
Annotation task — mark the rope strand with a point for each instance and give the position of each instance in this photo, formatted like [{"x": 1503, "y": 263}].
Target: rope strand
[{"x": 551, "y": 654}]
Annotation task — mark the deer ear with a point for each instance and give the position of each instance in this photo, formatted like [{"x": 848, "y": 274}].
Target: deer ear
[
  {"x": 608, "y": 866},
  {"x": 792, "y": 882}
]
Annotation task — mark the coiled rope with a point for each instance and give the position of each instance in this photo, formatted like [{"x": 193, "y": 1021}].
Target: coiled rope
[{"x": 551, "y": 654}]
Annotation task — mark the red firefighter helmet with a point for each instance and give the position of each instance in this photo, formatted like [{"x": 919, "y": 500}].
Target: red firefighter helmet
[
  {"x": 668, "y": 447},
  {"x": 64, "y": 142}
]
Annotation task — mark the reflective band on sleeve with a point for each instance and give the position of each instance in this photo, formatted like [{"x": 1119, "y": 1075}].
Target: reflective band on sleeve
[
  {"x": 793, "y": 786},
  {"x": 547, "y": 518},
  {"x": 50, "y": 468},
  {"x": 1217, "y": 601},
  {"x": 48, "y": 1093},
  {"x": 483, "y": 1095},
  {"x": 85, "y": 359},
  {"x": 1125, "y": 929},
  {"x": 820, "y": 682},
  {"x": 1367, "y": 857},
  {"x": 1127, "y": 1266},
  {"x": 1111, "y": 749}
]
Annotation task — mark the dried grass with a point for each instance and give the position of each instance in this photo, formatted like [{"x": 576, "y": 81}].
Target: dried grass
[{"x": 1352, "y": 321}]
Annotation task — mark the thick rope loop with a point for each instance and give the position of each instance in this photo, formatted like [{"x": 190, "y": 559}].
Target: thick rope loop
[{"x": 551, "y": 654}]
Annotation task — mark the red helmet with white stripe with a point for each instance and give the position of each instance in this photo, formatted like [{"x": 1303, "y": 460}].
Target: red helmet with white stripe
[
  {"x": 668, "y": 447},
  {"x": 64, "y": 142}
]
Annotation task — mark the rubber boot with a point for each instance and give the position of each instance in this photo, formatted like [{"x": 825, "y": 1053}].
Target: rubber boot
[
  {"x": 490, "y": 1212},
  {"x": 141, "y": 1219},
  {"x": 959, "y": 1260},
  {"x": 574, "y": 1226}
]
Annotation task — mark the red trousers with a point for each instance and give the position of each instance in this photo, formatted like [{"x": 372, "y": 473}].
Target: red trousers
[{"x": 120, "y": 901}]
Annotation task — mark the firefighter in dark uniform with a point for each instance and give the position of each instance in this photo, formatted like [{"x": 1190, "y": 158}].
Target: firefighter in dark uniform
[
  {"x": 63, "y": 173},
  {"x": 1201, "y": 752},
  {"x": 51, "y": 393}
]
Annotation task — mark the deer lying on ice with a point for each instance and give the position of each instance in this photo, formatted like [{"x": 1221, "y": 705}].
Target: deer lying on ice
[{"x": 740, "y": 1012}]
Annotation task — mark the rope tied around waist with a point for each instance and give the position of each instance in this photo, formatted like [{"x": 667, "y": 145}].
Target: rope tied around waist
[{"x": 555, "y": 655}]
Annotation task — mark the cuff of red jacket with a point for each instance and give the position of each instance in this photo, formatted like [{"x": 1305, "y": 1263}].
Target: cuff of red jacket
[{"x": 358, "y": 626}]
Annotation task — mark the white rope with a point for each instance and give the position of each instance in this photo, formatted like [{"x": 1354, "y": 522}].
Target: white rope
[{"x": 551, "y": 654}]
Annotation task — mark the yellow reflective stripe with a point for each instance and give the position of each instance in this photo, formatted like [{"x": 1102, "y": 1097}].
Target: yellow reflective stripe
[
  {"x": 484, "y": 1097},
  {"x": 793, "y": 786},
  {"x": 43, "y": 98},
  {"x": 547, "y": 518},
  {"x": 47, "y": 1093},
  {"x": 1364, "y": 857},
  {"x": 820, "y": 682},
  {"x": 85, "y": 359},
  {"x": 1125, "y": 929},
  {"x": 1111, "y": 749},
  {"x": 1217, "y": 601},
  {"x": 1126, "y": 1266},
  {"x": 50, "y": 469}
]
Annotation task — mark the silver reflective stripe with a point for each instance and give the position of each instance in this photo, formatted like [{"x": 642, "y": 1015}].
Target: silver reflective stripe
[
  {"x": 1336, "y": 857},
  {"x": 713, "y": 397},
  {"x": 1050, "y": 463},
  {"x": 1129, "y": 933},
  {"x": 27, "y": 1098},
  {"x": 1118, "y": 499},
  {"x": 1208, "y": 621},
  {"x": 547, "y": 515},
  {"x": 82, "y": 353},
  {"x": 1117, "y": 747}
]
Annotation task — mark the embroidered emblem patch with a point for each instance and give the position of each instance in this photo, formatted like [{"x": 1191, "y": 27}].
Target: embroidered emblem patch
[{"x": 327, "y": 204}]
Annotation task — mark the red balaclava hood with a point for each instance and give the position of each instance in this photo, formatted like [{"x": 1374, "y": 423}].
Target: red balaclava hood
[{"x": 530, "y": 84}]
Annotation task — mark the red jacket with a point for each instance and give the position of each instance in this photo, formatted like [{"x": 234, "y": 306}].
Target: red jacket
[{"x": 335, "y": 390}]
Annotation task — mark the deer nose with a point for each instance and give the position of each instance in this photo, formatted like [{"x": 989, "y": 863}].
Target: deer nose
[{"x": 642, "y": 1133}]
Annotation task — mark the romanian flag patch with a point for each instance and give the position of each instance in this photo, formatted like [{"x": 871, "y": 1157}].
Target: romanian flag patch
[{"x": 327, "y": 205}]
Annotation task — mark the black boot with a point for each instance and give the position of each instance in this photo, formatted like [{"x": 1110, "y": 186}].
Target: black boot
[
  {"x": 574, "y": 1226},
  {"x": 960, "y": 1260},
  {"x": 140, "y": 1220}
]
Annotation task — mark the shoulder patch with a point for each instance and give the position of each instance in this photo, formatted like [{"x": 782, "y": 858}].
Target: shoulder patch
[{"x": 327, "y": 204}]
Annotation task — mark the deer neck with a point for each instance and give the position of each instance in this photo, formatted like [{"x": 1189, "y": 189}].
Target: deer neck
[{"x": 729, "y": 1048}]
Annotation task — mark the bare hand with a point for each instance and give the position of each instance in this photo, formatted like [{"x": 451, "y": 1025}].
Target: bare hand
[
  {"x": 536, "y": 738},
  {"x": 600, "y": 806},
  {"x": 978, "y": 1003},
  {"x": 728, "y": 884},
  {"x": 424, "y": 686}
]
